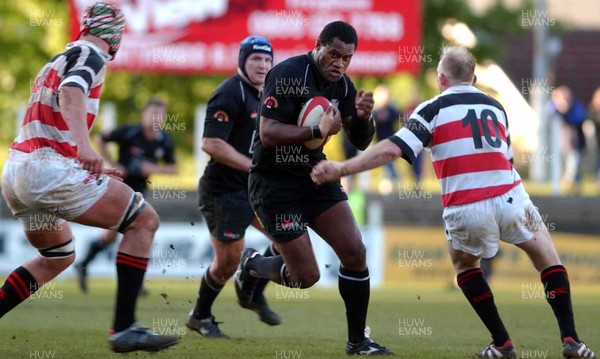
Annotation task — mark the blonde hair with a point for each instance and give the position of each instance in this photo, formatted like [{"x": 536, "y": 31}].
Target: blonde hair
[{"x": 457, "y": 63}]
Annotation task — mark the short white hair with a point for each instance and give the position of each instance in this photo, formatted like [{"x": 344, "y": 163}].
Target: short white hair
[{"x": 457, "y": 63}]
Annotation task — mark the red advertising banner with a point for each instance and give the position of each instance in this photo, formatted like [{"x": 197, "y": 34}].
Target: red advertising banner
[{"x": 203, "y": 36}]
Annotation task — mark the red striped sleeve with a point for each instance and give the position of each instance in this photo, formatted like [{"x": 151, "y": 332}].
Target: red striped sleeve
[
  {"x": 95, "y": 92},
  {"x": 455, "y": 131},
  {"x": 478, "y": 162},
  {"x": 476, "y": 194}
]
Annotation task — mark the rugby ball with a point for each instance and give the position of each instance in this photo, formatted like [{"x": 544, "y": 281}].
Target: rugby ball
[{"x": 310, "y": 115}]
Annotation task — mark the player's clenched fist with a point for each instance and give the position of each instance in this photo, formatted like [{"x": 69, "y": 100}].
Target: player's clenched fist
[
  {"x": 326, "y": 171},
  {"x": 331, "y": 122},
  {"x": 364, "y": 104}
]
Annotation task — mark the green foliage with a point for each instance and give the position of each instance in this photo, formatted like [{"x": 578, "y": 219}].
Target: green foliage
[
  {"x": 31, "y": 32},
  {"x": 490, "y": 28}
]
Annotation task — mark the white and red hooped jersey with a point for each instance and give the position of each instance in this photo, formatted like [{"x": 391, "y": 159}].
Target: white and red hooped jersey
[
  {"x": 82, "y": 65},
  {"x": 467, "y": 132}
]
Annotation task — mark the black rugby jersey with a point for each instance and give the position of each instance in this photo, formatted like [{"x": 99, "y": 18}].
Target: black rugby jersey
[
  {"x": 288, "y": 86},
  {"x": 135, "y": 148},
  {"x": 231, "y": 116}
]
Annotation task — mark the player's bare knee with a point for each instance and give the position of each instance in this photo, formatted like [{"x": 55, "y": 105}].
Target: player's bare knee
[
  {"x": 355, "y": 258},
  {"x": 58, "y": 257},
  {"x": 139, "y": 215},
  {"x": 58, "y": 264},
  {"x": 310, "y": 280},
  {"x": 225, "y": 268},
  {"x": 305, "y": 279},
  {"x": 463, "y": 265},
  {"x": 148, "y": 220},
  {"x": 221, "y": 274}
]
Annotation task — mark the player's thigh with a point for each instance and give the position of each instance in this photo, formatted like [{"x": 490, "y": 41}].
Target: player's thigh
[
  {"x": 227, "y": 215},
  {"x": 48, "y": 234},
  {"x": 523, "y": 226},
  {"x": 540, "y": 247},
  {"x": 282, "y": 207},
  {"x": 48, "y": 182},
  {"x": 473, "y": 228},
  {"x": 338, "y": 228},
  {"x": 108, "y": 210}
]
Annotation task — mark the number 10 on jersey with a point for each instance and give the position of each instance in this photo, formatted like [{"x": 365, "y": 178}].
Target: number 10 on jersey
[{"x": 481, "y": 123}]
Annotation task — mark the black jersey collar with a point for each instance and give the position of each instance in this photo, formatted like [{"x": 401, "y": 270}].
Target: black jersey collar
[{"x": 247, "y": 86}]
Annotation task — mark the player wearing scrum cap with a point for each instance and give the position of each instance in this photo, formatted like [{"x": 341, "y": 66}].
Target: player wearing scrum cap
[
  {"x": 223, "y": 190},
  {"x": 53, "y": 176},
  {"x": 282, "y": 193}
]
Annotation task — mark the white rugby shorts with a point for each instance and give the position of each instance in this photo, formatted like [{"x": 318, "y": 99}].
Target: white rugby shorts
[
  {"x": 477, "y": 228},
  {"x": 44, "y": 187}
]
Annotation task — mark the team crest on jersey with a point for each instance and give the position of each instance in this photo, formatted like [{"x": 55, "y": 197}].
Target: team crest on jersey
[
  {"x": 271, "y": 102},
  {"x": 335, "y": 102},
  {"x": 254, "y": 114},
  {"x": 221, "y": 116}
]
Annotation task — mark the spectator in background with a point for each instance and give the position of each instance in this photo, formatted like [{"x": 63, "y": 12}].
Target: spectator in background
[
  {"x": 417, "y": 164},
  {"x": 572, "y": 141},
  {"x": 386, "y": 117},
  {"x": 594, "y": 115}
]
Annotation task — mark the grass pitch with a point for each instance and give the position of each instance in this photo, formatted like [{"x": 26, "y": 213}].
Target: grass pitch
[{"x": 429, "y": 321}]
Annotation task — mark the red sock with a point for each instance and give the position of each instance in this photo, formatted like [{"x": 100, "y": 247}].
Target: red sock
[
  {"x": 19, "y": 285},
  {"x": 130, "y": 277}
]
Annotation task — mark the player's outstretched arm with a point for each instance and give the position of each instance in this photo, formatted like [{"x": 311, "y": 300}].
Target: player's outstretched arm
[
  {"x": 329, "y": 171},
  {"x": 224, "y": 153}
]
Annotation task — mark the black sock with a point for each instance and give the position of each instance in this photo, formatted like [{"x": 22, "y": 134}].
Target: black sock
[
  {"x": 130, "y": 276},
  {"x": 479, "y": 294},
  {"x": 558, "y": 295},
  {"x": 19, "y": 285},
  {"x": 272, "y": 268},
  {"x": 96, "y": 247},
  {"x": 209, "y": 290},
  {"x": 262, "y": 283},
  {"x": 355, "y": 289}
]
